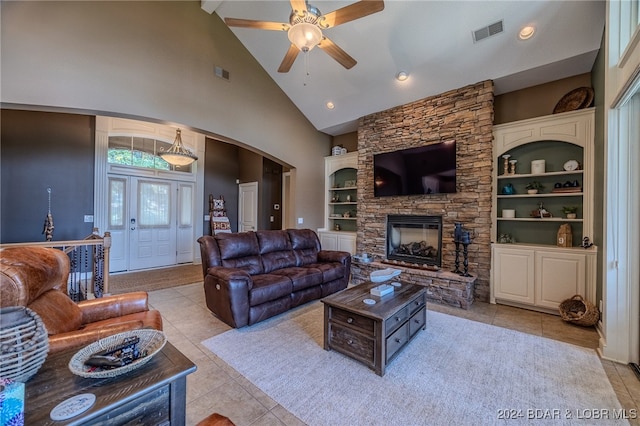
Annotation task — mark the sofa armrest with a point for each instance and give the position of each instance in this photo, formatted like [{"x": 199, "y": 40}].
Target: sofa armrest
[
  {"x": 113, "y": 306},
  {"x": 227, "y": 294},
  {"x": 334, "y": 256}
]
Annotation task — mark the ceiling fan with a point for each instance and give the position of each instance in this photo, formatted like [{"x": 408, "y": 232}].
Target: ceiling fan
[{"x": 305, "y": 28}]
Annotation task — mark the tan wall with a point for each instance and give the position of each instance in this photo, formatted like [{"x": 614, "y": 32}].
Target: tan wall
[
  {"x": 155, "y": 61},
  {"x": 536, "y": 101},
  {"x": 465, "y": 115},
  {"x": 349, "y": 141}
]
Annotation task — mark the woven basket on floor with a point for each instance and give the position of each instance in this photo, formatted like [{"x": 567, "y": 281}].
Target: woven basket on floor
[{"x": 579, "y": 311}]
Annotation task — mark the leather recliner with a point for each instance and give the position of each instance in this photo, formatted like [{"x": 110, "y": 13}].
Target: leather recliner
[{"x": 36, "y": 277}]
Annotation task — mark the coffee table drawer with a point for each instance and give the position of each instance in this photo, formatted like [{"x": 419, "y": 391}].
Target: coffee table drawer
[
  {"x": 417, "y": 303},
  {"x": 397, "y": 340},
  {"x": 354, "y": 320},
  {"x": 354, "y": 344},
  {"x": 395, "y": 320},
  {"x": 417, "y": 321}
]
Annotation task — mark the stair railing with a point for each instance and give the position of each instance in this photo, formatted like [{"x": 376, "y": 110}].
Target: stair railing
[{"x": 89, "y": 264}]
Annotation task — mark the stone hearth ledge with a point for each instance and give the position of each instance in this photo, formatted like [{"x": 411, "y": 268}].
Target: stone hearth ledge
[{"x": 443, "y": 287}]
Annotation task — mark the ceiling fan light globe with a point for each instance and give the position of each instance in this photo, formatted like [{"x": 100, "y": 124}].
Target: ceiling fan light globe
[{"x": 305, "y": 36}]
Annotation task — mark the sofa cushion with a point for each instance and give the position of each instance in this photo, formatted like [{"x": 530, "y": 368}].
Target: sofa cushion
[
  {"x": 275, "y": 250},
  {"x": 305, "y": 244},
  {"x": 240, "y": 250},
  {"x": 301, "y": 277},
  {"x": 268, "y": 287},
  {"x": 59, "y": 313},
  {"x": 330, "y": 271}
]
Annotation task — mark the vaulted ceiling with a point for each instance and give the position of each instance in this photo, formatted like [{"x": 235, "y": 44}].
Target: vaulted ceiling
[{"x": 432, "y": 41}]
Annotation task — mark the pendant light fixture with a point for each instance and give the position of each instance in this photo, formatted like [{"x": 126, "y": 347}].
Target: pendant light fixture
[{"x": 177, "y": 154}]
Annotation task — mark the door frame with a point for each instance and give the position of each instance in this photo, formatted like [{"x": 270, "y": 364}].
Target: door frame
[{"x": 113, "y": 126}]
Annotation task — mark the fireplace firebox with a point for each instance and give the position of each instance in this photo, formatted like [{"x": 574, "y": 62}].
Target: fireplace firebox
[{"x": 414, "y": 239}]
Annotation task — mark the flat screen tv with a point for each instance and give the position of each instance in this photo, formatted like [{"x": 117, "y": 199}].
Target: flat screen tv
[{"x": 429, "y": 169}]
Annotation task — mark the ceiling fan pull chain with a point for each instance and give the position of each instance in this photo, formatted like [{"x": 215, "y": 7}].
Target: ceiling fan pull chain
[{"x": 306, "y": 67}]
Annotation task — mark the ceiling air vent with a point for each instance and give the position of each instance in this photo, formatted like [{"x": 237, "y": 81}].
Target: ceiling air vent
[{"x": 488, "y": 31}]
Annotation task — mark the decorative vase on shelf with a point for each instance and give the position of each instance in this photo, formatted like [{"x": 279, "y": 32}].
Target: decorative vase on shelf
[
  {"x": 571, "y": 215},
  {"x": 508, "y": 189},
  {"x": 532, "y": 191}
]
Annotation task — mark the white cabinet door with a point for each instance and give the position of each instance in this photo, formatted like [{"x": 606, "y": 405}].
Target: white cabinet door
[
  {"x": 347, "y": 242},
  {"x": 328, "y": 241},
  {"x": 559, "y": 276},
  {"x": 513, "y": 274}
]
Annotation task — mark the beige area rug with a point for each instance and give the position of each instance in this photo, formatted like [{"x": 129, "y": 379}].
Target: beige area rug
[
  {"x": 455, "y": 372},
  {"x": 155, "y": 279}
]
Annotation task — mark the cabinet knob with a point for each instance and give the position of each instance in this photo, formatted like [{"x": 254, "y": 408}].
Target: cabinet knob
[
  {"x": 397, "y": 340},
  {"x": 417, "y": 321},
  {"x": 350, "y": 342},
  {"x": 397, "y": 319},
  {"x": 350, "y": 320}
]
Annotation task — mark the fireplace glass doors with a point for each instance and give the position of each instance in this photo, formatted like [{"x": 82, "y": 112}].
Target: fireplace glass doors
[{"x": 415, "y": 239}]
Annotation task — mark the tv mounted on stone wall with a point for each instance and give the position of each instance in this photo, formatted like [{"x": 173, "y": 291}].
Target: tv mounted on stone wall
[{"x": 428, "y": 169}]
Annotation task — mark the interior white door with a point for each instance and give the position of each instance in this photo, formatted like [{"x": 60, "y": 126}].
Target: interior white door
[
  {"x": 248, "y": 206},
  {"x": 152, "y": 224}
]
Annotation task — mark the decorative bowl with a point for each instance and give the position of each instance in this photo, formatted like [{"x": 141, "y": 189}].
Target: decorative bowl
[{"x": 151, "y": 341}]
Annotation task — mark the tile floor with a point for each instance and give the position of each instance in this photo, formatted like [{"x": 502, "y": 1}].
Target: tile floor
[{"x": 215, "y": 387}]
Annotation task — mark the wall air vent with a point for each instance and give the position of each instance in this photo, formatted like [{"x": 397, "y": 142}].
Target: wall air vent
[
  {"x": 222, "y": 73},
  {"x": 488, "y": 31}
]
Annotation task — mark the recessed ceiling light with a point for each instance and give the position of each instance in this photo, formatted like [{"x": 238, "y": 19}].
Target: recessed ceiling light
[
  {"x": 402, "y": 76},
  {"x": 330, "y": 105},
  {"x": 526, "y": 32}
]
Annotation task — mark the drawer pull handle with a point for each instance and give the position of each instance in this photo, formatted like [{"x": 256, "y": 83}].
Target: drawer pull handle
[
  {"x": 397, "y": 340},
  {"x": 416, "y": 321},
  {"x": 349, "y": 320},
  {"x": 350, "y": 342}
]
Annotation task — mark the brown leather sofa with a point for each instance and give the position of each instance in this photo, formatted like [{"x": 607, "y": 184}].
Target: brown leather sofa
[
  {"x": 36, "y": 277},
  {"x": 252, "y": 276}
]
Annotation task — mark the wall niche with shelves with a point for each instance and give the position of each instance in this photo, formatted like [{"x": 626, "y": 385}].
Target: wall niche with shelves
[
  {"x": 341, "y": 203},
  {"x": 560, "y": 188},
  {"x": 529, "y": 267}
]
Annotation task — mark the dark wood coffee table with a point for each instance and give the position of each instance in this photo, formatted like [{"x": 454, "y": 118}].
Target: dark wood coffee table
[
  {"x": 373, "y": 334},
  {"x": 152, "y": 394}
]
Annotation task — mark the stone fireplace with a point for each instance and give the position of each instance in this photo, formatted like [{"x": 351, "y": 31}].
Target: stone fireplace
[
  {"x": 466, "y": 116},
  {"x": 414, "y": 239}
]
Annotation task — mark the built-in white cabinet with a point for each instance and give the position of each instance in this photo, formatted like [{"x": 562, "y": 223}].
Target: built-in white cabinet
[
  {"x": 528, "y": 267},
  {"x": 541, "y": 277},
  {"x": 341, "y": 204}
]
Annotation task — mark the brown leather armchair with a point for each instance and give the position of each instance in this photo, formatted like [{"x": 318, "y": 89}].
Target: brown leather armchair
[{"x": 36, "y": 277}]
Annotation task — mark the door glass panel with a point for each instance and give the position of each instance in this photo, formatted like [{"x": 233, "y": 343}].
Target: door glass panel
[
  {"x": 154, "y": 204},
  {"x": 117, "y": 197},
  {"x": 186, "y": 197}
]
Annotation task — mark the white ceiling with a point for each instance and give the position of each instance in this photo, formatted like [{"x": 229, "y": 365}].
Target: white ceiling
[{"x": 431, "y": 40}]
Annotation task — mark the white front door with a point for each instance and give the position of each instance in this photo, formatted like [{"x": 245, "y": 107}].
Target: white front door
[
  {"x": 248, "y": 207},
  {"x": 152, "y": 223}
]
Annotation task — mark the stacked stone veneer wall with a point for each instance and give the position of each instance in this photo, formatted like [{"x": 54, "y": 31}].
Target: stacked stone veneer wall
[{"x": 464, "y": 115}]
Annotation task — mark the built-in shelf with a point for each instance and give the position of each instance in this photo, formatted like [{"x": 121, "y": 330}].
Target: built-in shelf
[
  {"x": 539, "y": 175},
  {"x": 537, "y": 219},
  {"x": 558, "y": 194}
]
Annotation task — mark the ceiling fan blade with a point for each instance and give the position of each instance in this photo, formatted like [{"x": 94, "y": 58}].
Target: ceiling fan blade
[
  {"x": 260, "y": 25},
  {"x": 299, "y": 6},
  {"x": 337, "y": 53},
  {"x": 289, "y": 58},
  {"x": 351, "y": 12}
]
